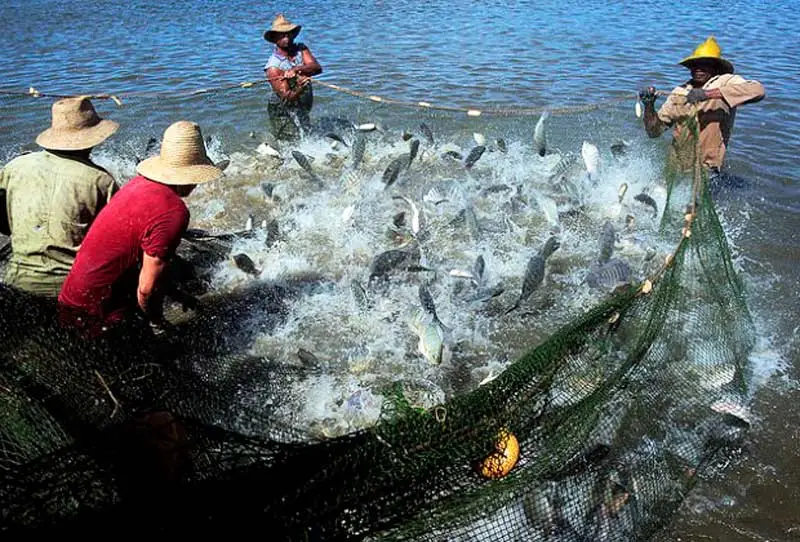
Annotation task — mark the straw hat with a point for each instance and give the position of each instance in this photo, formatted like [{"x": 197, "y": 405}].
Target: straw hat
[
  {"x": 280, "y": 25},
  {"x": 75, "y": 126},
  {"x": 183, "y": 159},
  {"x": 708, "y": 50}
]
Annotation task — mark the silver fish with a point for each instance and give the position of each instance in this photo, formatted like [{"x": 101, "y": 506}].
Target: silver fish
[
  {"x": 415, "y": 217},
  {"x": 609, "y": 275},
  {"x": 563, "y": 165},
  {"x": 359, "y": 146},
  {"x": 534, "y": 273},
  {"x": 540, "y": 135},
  {"x": 591, "y": 160},
  {"x": 337, "y": 138},
  {"x": 393, "y": 170},
  {"x": 473, "y": 156},
  {"x": 647, "y": 200},
  {"x": 301, "y": 159},
  {"x": 427, "y": 132},
  {"x": 478, "y": 268},
  {"x": 431, "y": 336},
  {"x": 244, "y": 263},
  {"x": 607, "y": 239},
  {"x": 413, "y": 150}
]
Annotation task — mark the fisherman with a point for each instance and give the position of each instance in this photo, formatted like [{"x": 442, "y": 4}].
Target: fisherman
[
  {"x": 50, "y": 198},
  {"x": 120, "y": 269},
  {"x": 715, "y": 92},
  {"x": 288, "y": 70}
]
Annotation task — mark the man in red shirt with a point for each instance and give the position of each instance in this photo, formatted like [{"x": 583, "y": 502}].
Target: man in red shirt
[{"x": 121, "y": 263}]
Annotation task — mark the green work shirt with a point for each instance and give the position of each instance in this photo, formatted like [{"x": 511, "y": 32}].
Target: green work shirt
[{"x": 50, "y": 202}]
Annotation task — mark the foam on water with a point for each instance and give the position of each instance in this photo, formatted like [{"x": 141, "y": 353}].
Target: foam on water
[{"x": 330, "y": 235}]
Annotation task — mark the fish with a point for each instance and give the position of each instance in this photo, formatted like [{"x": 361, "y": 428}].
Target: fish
[
  {"x": 453, "y": 154},
  {"x": 301, "y": 159},
  {"x": 480, "y": 139},
  {"x": 647, "y": 200},
  {"x": 623, "y": 189},
  {"x": 347, "y": 214},
  {"x": 307, "y": 358},
  {"x": 478, "y": 269},
  {"x": 534, "y": 272},
  {"x": 496, "y": 188},
  {"x": 427, "y": 132},
  {"x": 387, "y": 261},
  {"x": 540, "y": 135},
  {"x": 273, "y": 232},
  {"x": 244, "y": 263},
  {"x": 415, "y": 217},
  {"x": 265, "y": 149},
  {"x": 267, "y": 188},
  {"x": 248, "y": 225},
  {"x": 405, "y": 136},
  {"x": 501, "y": 144},
  {"x": 591, "y": 160},
  {"x": 485, "y": 294},
  {"x": 607, "y": 239},
  {"x": 562, "y": 165},
  {"x": 359, "y": 146},
  {"x": 473, "y": 156},
  {"x": 461, "y": 274},
  {"x": 360, "y": 295},
  {"x": 393, "y": 170},
  {"x": 426, "y": 299},
  {"x": 549, "y": 208},
  {"x": 431, "y": 336},
  {"x": 638, "y": 109},
  {"x": 413, "y": 150},
  {"x": 620, "y": 148},
  {"x": 366, "y": 127},
  {"x": 337, "y": 138},
  {"x": 609, "y": 275}
]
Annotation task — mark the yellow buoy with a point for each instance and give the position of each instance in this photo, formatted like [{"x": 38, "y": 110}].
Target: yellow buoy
[{"x": 500, "y": 462}]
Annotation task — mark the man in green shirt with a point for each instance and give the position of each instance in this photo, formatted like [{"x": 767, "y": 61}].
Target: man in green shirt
[{"x": 48, "y": 199}]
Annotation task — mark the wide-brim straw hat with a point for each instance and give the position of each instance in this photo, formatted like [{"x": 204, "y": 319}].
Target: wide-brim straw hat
[
  {"x": 281, "y": 25},
  {"x": 75, "y": 126},
  {"x": 708, "y": 50},
  {"x": 182, "y": 160}
]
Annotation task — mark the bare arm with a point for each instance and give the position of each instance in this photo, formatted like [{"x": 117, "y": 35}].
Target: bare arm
[
  {"x": 652, "y": 124},
  {"x": 278, "y": 79},
  {"x": 310, "y": 65},
  {"x": 147, "y": 294}
]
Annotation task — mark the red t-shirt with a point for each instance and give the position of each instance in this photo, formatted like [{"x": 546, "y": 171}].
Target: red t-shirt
[{"x": 144, "y": 216}]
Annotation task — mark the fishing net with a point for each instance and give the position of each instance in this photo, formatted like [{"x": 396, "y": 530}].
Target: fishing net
[{"x": 596, "y": 433}]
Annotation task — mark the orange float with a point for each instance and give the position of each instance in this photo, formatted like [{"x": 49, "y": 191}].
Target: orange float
[{"x": 500, "y": 462}]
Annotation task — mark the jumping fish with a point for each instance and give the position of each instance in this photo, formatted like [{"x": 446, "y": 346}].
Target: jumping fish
[
  {"x": 623, "y": 189},
  {"x": 367, "y": 127},
  {"x": 540, "y": 135},
  {"x": 427, "y": 132},
  {"x": 638, "y": 109},
  {"x": 434, "y": 196},
  {"x": 478, "y": 269},
  {"x": 549, "y": 208},
  {"x": 393, "y": 170},
  {"x": 431, "y": 336},
  {"x": 359, "y": 146},
  {"x": 479, "y": 138},
  {"x": 426, "y": 299},
  {"x": 607, "y": 239},
  {"x": 415, "y": 218},
  {"x": 413, "y": 150},
  {"x": 591, "y": 159},
  {"x": 474, "y": 156},
  {"x": 386, "y": 262},
  {"x": 301, "y": 159},
  {"x": 337, "y": 138},
  {"x": 562, "y": 165},
  {"x": 647, "y": 200},
  {"x": 452, "y": 154},
  {"x": 501, "y": 144},
  {"x": 244, "y": 263},
  {"x": 609, "y": 275},
  {"x": 534, "y": 273}
]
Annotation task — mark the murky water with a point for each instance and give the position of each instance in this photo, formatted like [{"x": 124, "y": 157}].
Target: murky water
[{"x": 551, "y": 54}]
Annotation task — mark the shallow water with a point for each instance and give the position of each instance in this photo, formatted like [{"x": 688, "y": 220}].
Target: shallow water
[{"x": 550, "y": 54}]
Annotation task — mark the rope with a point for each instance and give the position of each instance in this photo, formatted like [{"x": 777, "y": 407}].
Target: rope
[{"x": 469, "y": 111}]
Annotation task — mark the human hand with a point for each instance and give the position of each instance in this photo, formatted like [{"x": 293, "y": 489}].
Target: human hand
[
  {"x": 696, "y": 95},
  {"x": 648, "y": 95}
]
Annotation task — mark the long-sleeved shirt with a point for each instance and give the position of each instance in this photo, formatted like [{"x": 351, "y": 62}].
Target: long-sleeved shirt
[{"x": 716, "y": 118}]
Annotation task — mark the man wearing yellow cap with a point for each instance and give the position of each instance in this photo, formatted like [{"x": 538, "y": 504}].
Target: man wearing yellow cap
[{"x": 714, "y": 92}]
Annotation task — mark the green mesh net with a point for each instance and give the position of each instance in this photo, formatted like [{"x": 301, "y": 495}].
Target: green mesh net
[{"x": 595, "y": 434}]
